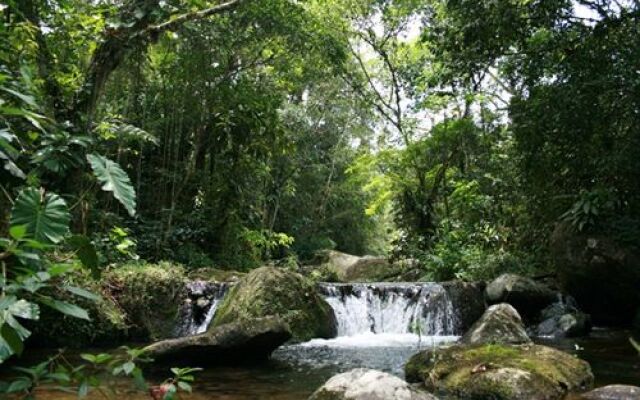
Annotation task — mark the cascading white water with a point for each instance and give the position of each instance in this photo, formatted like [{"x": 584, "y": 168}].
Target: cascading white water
[
  {"x": 391, "y": 308},
  {"x": 200, "y": 306}
]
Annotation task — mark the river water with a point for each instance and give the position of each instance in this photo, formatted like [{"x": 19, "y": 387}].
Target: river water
[
  {"x": 379, "y": 326},
  {"x": 295, "y": 371}
]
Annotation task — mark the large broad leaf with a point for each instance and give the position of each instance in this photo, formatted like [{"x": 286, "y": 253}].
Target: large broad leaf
[
  {"x": 45, "y": 215},
  {"x": 114, "y": 179}
]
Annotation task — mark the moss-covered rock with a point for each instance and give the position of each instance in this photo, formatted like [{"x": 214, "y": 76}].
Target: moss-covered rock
[
  {"x": 342, "y": 267},
  {"x": 499, "y": 372},
  {"x": 274, "y": 291},
  {"x": 150, "y": 295},
  {"x": 237, "y": 342},
  {"x": 54, "y": 329},
  {"x": 216, "y": 275}
]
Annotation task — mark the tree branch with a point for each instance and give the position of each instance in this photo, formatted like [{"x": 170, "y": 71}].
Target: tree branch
[
  {"x": 115, "y": 45},
  {"x": 174, "y": 21}
]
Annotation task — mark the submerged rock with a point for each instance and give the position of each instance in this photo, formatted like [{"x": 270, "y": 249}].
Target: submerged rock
[
  {"x": 525, "y": 294},
  {"x": 274, "y": 291},
  {"x": 367, "y": 384},
  {"x": 499, "y": 372},
  {"x": 613, "y": 392},
  {"x": 563, "y": 319},
  {"x": 240, "y": 341},
  {"x": 500, "y": 323},
  {"x": 601, "y": 274}
]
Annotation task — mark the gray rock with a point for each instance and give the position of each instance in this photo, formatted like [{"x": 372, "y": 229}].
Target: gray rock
[
  {"x": 613, "y": 392},
  {"x": 500, "y": 324},
  {"x": 246, "y": 340},
  {"x": 563, "y": 319},
  {"x": 368, "y": 384},
  {"x": 525, "y": 294}
]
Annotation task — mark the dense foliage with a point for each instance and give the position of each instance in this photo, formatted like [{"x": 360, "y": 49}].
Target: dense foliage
[{"x": 456, "y": 133}]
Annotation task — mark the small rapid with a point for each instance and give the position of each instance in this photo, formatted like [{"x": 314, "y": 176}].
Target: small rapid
[
  {"x": 422, "y": 309},
  {"x": 199, "y": 306}
]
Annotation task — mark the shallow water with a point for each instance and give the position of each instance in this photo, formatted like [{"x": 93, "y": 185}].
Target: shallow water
[{"x": 295, "y": 371}]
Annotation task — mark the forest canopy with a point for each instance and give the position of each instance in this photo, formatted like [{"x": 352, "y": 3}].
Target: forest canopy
[{"x": 232, "y": 133}]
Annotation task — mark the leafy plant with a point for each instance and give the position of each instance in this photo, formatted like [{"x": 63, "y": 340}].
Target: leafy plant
[
  {"x": 44, "y": 215},
  {"x": 39, "y": 220},
  {"x": 115, "y": 180}
]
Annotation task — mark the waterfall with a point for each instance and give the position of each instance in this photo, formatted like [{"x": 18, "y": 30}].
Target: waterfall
[
  {"x": 199, "y": 306},
  {"x": 397, "y": 308}
]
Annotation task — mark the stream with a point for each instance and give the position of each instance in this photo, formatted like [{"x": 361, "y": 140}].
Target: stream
[{"x": 377, "y": 326}]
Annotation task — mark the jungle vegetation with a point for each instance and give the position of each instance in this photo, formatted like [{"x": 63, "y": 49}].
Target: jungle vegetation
[{"x": 234, "y": 133}]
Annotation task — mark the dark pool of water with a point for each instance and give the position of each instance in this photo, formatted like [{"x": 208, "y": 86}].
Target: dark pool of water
[{"x": 296, "y": 371}]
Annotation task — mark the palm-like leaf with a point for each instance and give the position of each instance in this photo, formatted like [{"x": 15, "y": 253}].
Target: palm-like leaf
[
  {"x": 45, "y": 215},
  {"x": 115, "y": 180}
]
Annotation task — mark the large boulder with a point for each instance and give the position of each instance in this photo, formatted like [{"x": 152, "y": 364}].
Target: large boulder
[
  {"x": 467, "y": 299},
  {"x": 601, "y": 274},
  {"x": 613, "y": 392},
  {"x": 275, "y": 291},
  {"x": 499, "y": 372},
  {"x": 525, "y": 294},
  {"x": 367, "y": 384},
  {"x": 350, "y": 268},
  {"x": 562, "y": 319},
  {"x": 240, "y": 341},
  {"x": 501, "y": 323},
  {"x": 150, "y": 295}
]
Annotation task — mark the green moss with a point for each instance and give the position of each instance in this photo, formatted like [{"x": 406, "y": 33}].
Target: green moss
[
  {"x": 216, "y": 274},
  {"x": 54, "y": 329},
  {"x": 499, "y": 371},
  {"x": 150, "y": 295},
  {"x": 275, "y": 291}
]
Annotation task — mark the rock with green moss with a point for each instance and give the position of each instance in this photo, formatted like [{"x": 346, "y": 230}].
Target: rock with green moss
[
  {"x": 499, "y": 372},
  {"x": 150, "y": 295},
  {"x": 216, "y": 275},
  {"x": 500, "y": 323},
  {"x": 54, "y": 329},
  {"x": 368, "y": 384},
  {"x": 349, "y": 268},
  {"x": 241, "y": 341},
  {"x": 275, "y": 291}
]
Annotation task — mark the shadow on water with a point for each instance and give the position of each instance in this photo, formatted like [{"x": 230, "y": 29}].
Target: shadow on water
[
  {"x": 612, "y": 358},
  {"x": 296, "y": 371}
]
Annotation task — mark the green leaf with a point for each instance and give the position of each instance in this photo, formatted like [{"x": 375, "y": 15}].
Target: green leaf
[
  {"x": 83, "y": 389},
  {"x": 25, "y": 309},
  {"x": 128, "y": 367},
  {"x": 82, "y": 293},
  {"x": 12, "y": 339},
  {"x": 45, "y": 215},
  {"x": 19, "y": 385},
  {"x": 114, "y": 179},
  {"x": 18, "y": 231},
  {"x": 86, "y": 252},
  {"x": 184, "y": 386},
  {"x": 66, "y": 308}
]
